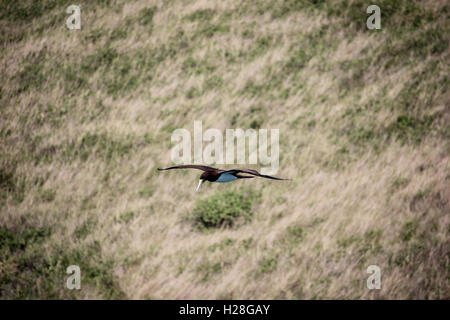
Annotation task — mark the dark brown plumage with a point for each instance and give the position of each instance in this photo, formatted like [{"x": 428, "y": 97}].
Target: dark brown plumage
[{"x": 218, "y": 175}]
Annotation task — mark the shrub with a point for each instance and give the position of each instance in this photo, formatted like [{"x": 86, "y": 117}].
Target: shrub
[
  {"x": 146, "y": 16},
  {"x": 226, "y": 209}
]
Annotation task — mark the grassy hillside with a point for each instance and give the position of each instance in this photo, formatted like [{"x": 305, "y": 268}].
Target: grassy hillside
[{"x": 87, "y": 117}]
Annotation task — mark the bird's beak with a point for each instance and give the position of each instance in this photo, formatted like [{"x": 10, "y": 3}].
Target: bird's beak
[{"x": 199, "y": 184}]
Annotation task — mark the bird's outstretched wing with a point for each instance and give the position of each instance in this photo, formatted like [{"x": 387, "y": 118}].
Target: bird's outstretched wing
[
  {"x": 190, "y": 166},
  {"x": 252, "y": 172}
]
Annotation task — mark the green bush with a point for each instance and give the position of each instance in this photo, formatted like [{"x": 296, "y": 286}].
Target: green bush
[
  {"x": 146, "y": 16},
  {"x": 225, "y": 209}
]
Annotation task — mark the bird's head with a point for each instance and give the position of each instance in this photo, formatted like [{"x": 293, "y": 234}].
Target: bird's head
[{"x": 203, "y": 177}]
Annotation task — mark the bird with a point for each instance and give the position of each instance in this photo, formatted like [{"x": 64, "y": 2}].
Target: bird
[{"x": 218, "y": 175}]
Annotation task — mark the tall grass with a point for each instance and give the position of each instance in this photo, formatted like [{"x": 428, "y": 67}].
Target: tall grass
[{"x": 86, "y": 118}]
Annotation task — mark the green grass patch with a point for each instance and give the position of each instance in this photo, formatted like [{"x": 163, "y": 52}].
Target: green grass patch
[
  {"x": 225, "y": 209},
  {"x": 408, "y": 230},
  {"x": 11, "y": 185},
  {"x": 128, "y": 216},
  {"x": 295, "y": 234},
  {"x": 222, "y": 245},
  {"x": 202, "y": 15},
  {"x": 147, "y": 191},
  {"x": 32, "y": 271},
  {"x": 410, "y": 129},
  {"x": 32, "y": 76},
  {"x": 83, "y": 230},
  {"x": 145, "y": 16},
  {"x": 268, "y": 265},
  {"x": 210, "y": 30},
  {"x": 208, "y": 269},
  {"x": 104, "y": 57},
  {"x": 100, "y": 144},
  {"x": 364, "y": 246},
  {"x": 47, "y": 195},
  {"x": 212, "y": 83},
  {"x": 400, "y": 183},
  {"x": 260, "y": 46}
]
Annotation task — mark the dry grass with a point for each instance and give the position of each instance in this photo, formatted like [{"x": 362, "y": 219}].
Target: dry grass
[{"x": 87, "y": 117}]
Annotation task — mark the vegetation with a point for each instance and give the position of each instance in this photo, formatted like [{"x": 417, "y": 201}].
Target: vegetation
[
  {"x": 224, "y": 209},
  {"x": 87, "y": 117}
]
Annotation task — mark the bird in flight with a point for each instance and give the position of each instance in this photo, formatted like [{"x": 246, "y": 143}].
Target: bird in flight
[{"x": 218, "y": 175}]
